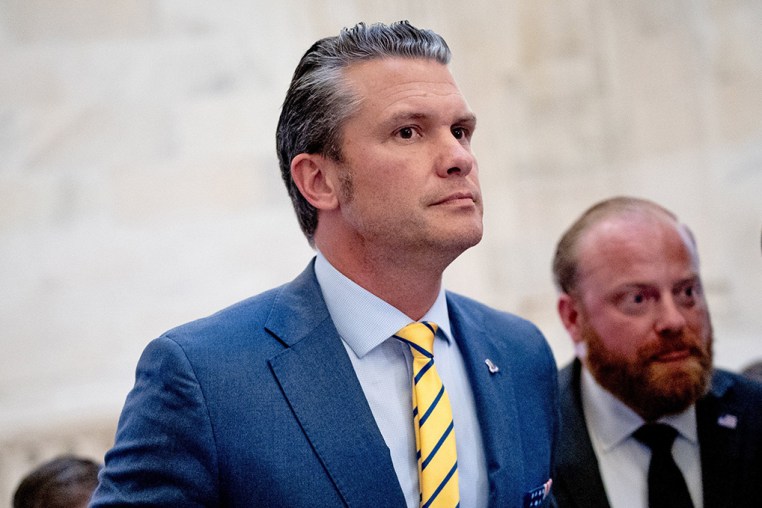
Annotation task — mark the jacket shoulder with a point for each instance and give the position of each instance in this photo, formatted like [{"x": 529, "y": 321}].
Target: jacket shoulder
[
  {"x": 489, "y": 316},
  {"x": 738, "y": 389}
]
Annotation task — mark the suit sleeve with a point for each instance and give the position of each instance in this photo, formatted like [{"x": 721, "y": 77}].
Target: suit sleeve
[{"x": 164, "y": 452}]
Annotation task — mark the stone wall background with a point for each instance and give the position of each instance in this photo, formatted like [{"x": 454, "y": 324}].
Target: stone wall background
[{"x": 139, "y": 186}]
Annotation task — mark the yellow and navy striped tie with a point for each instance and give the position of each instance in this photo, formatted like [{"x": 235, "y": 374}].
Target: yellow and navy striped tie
[{"x": 432, "y": 415}]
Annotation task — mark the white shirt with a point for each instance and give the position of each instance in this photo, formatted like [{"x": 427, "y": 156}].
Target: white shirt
[
  {"x": 384, "y": 368},
  {"x": 622, "y": 459}
]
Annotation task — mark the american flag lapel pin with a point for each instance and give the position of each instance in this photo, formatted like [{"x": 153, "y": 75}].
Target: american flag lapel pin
[{"x": 728, "y": 421}]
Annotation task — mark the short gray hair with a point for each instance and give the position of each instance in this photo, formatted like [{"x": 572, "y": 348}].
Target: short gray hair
[{"x": 318, "y": 102}]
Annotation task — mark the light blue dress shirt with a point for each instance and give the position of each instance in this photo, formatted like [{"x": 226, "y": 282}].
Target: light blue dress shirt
[{"x": 384, "y": 368}]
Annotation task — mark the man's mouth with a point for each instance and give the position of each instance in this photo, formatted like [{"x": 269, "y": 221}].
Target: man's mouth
[
  {"x": 457, "y": 197},
  {"x": 674, "y": 356}
]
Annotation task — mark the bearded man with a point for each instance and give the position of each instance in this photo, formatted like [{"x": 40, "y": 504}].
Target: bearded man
[{"x": 646, "y": 420}]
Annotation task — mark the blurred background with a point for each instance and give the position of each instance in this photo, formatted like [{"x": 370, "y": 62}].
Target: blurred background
[{"x": 139, "y": 186}]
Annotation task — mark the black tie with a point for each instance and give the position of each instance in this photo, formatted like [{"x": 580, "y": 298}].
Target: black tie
[{"x": 666, "y": 485}]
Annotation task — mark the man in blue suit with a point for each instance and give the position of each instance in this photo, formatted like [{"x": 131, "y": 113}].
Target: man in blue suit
[
  {"x": 632, "y": 300},
  {"x": 300, "y": 396}
]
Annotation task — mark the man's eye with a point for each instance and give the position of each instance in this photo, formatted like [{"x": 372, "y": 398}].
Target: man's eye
[
  {"x": 406, "y": 133},
  {"x": 634, "y": 302},
  {"x": 687, "y": 295},
  {"x": 459, "y": 132}
]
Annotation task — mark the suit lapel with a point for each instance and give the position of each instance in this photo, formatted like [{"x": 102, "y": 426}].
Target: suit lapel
[
  {"x": 721, "y": 454},
  {"x": 495, "y": 405},
  {"x": 578, "y": 472},
  {"x": 318, "y": 380}
]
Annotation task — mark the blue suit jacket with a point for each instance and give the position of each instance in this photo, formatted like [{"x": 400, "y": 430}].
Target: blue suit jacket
[
  {"x": 729, "y": 422},
  {"x": 258, "y": 405}
]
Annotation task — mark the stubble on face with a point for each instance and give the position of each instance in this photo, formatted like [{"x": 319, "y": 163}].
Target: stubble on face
[
  {"x": 399, "y": 219},
  {"x": 346, "y": 184},
  {"x": 651, "y": 389}
]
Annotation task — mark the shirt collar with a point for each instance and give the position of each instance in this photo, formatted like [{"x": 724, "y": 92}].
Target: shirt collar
[
  {"x": 612, "y": 422},
  {"x": 362, "y": 319}
]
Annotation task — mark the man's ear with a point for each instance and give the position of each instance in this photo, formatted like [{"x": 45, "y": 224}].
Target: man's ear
[
  {"x": 570, "y": 316},
  {"x": 310, "y": 173}
]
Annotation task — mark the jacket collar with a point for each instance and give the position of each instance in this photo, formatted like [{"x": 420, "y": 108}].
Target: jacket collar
[{"x": 317, "y": 378}]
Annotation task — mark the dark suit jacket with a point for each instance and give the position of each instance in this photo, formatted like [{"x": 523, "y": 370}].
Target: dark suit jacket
[
  {"x": 258, "y": 405},
  {"x": 731, "y": 458}
]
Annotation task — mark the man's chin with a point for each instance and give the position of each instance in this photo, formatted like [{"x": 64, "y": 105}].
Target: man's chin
[
  {"x": 658, "y": 388},
  {"x": 671, "y": 370},
  {"x": 660, "y": 381},
  {"x": 463, "y": 236},
  {"x": 671, "y": 387},
  {"x": 678, "y": 374}
]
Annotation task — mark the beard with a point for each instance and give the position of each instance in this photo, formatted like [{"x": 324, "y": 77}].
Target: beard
[{"x": 642, "y": 383}]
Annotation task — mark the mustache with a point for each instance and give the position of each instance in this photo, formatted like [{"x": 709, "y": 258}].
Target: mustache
[{"x": 694, "y": 346}]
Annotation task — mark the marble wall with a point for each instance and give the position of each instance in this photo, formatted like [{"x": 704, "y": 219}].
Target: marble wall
[{"x": 139, "y": 187}]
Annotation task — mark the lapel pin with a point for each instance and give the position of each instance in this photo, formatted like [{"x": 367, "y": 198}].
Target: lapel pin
[
  {"x": 491, "y": 366},
  {"x": 728, "y": 421}
]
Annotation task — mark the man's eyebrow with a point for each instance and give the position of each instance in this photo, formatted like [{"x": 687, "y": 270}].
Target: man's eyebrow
[
  {"x": 633, "y": 286},
  {"x": 691, "y": 279},
  {"x": 469, "y": 118},
  {"x": 403, "y": 116}
]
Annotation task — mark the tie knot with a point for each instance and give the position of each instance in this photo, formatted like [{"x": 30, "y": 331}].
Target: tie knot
[
  {"x": 657, "y": 436},
  {"x": 420, "y": 337}
]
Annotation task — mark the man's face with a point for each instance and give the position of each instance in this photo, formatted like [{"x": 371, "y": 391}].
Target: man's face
[
  {"x": 408, "y": 179},
  {"x": 642, "y": 316}
]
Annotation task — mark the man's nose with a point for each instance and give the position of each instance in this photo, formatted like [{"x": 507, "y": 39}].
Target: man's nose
[
  {"x": 670, "y": 319},
  {"x": 456, "y": 158}
]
